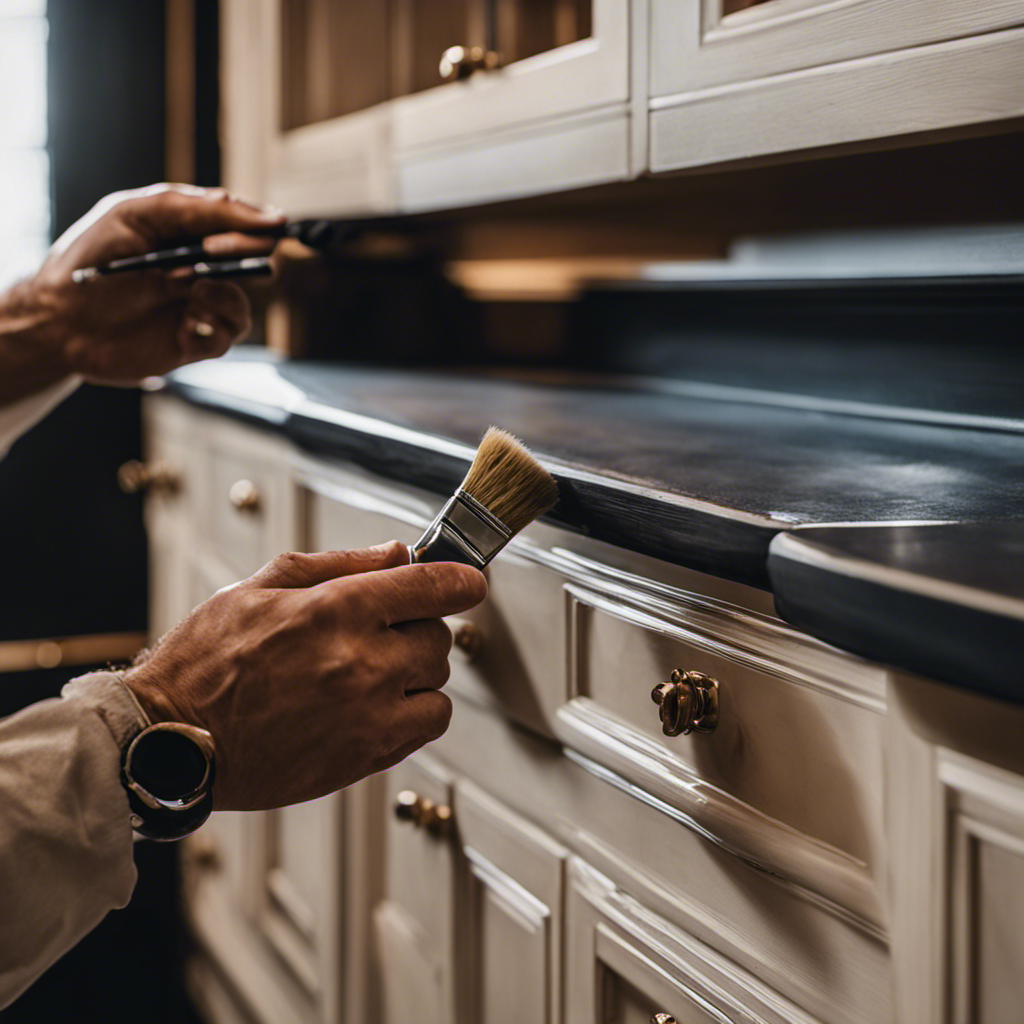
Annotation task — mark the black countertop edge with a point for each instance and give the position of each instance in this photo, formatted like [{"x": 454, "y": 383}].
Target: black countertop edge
[
  {"x": 722, "y": 542},
  {"x": 956, "y": 634}
]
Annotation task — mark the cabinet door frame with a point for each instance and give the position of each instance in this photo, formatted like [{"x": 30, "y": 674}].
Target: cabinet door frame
[
  {"x": 336, "y": 167},
  {"x": 550, "y": 122},
  {"x": 801, "y": 74}
]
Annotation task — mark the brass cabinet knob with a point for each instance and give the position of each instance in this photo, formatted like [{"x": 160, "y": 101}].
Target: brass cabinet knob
[
  {"x": 203, "y": 853},
  {"x": 244, "y": 495},
  {"x": 663, "y": 1018},
  {"x": 407, "y": 806},
  {"x": 461, "y": 61},
  {"x": 469, "y": 639},
  {"x": 689, "y": 703},
  {"x": 423, "y": 813},
  {"x": 134, "y": 477}
]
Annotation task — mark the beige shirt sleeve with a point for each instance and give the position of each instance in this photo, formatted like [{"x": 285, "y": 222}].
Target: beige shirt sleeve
[
  {"x": 65, "y": 836},
  {"x": 18, "y": 417}
]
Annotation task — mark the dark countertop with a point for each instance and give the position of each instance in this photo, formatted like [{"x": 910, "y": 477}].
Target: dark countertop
[{"x": 702, "y": 482}]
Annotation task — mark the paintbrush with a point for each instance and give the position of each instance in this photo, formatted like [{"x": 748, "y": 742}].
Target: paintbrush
[{"x": 505, "y": 489}]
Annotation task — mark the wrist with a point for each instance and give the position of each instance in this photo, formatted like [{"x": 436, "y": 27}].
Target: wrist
[{"x": 32, "y": 340}]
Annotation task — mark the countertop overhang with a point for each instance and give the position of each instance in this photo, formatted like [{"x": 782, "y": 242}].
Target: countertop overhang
[{"x": 825, "y": 510}]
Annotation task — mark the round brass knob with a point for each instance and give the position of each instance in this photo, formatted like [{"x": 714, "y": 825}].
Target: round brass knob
[
  {"x": 438, "y": 822},
  {"x": 469, "y": 639},
  {"x": 203, "y": 853},
  {"x": 459, "y": 62},
  {"x": 689, "y": 703},
  {"x": 407, "y": 806},
  {"x": 134, "y": 477},
  {"x": 244, "y": 495},
  {"x": 663, "y": 1018}
]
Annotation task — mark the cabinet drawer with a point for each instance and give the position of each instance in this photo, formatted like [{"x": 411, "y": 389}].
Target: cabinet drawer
[
  {"x": 626, "y": 965},
  {"x": 794, "y": 763},
  {"x": 239, "y": 508}
]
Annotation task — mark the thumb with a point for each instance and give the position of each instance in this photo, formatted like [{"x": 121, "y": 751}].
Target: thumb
[{"x": 294, "y": 569}]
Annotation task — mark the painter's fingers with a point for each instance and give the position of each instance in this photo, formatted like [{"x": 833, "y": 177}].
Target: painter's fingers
[
  {"x": 216, "y": 315},
  {"x": 429, "y": 591},
  {"x": 296, "y": 569}
]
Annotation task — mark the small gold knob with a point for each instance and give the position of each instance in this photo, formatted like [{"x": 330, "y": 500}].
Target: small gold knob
[
  {"x": 134, "y": 477},
  {"x": 203, "y": 853},
  {"x": 688, "y": 703},
  {"x": 459, "y": 62},
  {"x": 245, "y": 496},
  {"x": 663, "y": 1018},
  {"x": 469, "y": 639},
  {"x": 407, "y": 806},
  {"x": 439, "y": 821},
  {"x": 422, "y": 812}
]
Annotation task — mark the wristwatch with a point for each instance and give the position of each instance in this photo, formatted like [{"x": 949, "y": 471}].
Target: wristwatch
[{"x": 167, "y": 768}]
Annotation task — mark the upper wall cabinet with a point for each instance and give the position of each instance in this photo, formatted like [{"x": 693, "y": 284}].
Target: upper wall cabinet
[
  {"x": 376, "y": 106},
  {"x": 731, "y": 79},
  {"x": 552, "y": 112}
]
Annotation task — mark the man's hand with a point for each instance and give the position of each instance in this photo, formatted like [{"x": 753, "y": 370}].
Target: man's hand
[
  {"x": 124, "y": 327},
  {"x": 316, "y": 672}
]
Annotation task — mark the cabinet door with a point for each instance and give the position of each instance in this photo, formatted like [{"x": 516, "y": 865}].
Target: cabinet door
[
  {"x": 803, "y": 73},
  {"x": 511, "y": 971},
  {"x": 625, "y": 965},
  {"x": 414, "y": 923},
  {"x": 552, "y": 120},
  {"x": 298, "y": 910}
]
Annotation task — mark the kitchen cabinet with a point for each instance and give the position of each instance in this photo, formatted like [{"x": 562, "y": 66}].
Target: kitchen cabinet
[
  {"x": 341, "y": 109},
  {"x": 845, "y": 847},
  {"x": 729, "y": 80}
]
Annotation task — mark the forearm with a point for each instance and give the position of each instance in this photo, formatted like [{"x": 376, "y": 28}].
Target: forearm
[
  {"x": 65, "y": 837},
  {"x": 32, "y": 356}
]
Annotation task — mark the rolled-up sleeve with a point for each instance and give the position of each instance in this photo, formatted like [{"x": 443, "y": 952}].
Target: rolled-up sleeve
[{"x": 65, "y": 834}]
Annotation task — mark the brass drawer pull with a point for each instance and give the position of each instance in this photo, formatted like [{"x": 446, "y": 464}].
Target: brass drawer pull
[
  {"x": 459, "y": 62},
  {"x": 423, "y": 813},
  {"x": 244, "y": 495},
  {"x": 688, "y": 703},
  {"x": 663, "y": 1018},
  {"x": 134, "y": 477},
  {"x": 469, "y": 639}
]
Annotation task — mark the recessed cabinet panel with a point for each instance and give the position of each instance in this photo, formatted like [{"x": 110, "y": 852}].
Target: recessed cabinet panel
[
  {"x": 513, "y": 963},
  {"x": 624, "y": 965},
  {"x": 697, "y": 43},
  {"x": 415, "y": 922},
  {"x": 987, "y": 888},
  {"x": 771, "y": 725},
  {"x": 730, "y": 80}
]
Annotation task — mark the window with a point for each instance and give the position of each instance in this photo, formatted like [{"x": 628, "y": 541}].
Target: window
[{"x": 24, "y": 161}]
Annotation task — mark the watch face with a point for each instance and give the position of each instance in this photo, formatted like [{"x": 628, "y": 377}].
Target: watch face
[{"x": 168, "y": 764}]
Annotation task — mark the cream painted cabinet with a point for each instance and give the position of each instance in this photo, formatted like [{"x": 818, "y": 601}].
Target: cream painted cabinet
[
  {"x": 733, "y": 79},
  {"x": 339, "y": 109},
  {"x": 956, "y": 797},
  {"x": 845, "y": 847}
]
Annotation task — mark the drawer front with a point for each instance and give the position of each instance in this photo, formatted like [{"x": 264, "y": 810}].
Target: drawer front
[
  {"x": 626, "y": 965},
  {"x": 791, "y": 774},
  {"x": 240, "y": 505}
]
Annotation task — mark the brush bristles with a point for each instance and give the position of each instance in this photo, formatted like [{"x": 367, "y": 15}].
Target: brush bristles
[{"x": 509, "y": 481}]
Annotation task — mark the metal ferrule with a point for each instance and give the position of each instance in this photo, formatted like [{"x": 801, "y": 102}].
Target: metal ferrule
[{"x": 464, "y": 531}]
